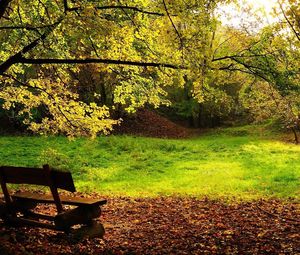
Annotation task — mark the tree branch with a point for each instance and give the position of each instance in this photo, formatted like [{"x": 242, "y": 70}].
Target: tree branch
[
  {"x": 249, "y": 69},
  {"x": 30, "y": 28},
  {"x": 232, "y": 57},
  {"x": 18, "y": 56},
  {"x": 39, "y": 61},
  {"x": 129, "y": 8},
  {"x": 175, "y": 28},
  {"x": 26, "y": 27},
  {"x": 107, "y": 7},
  {"x": 288, "y": 21}
]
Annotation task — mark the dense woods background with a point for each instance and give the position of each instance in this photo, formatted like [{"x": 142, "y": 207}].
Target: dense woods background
[{"x": 84, "y": 67}]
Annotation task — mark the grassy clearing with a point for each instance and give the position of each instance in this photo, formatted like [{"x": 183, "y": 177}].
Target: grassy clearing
[{"x": 230, "y": 162}]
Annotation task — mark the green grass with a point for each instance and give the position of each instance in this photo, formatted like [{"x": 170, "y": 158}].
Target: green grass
[{"x": 234, "y": 162}]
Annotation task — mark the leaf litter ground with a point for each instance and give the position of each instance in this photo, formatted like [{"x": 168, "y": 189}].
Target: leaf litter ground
[{"x": 172, "y": 225}]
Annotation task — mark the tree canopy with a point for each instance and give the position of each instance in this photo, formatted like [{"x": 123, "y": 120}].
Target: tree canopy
[{"x": 138, "y": 52}]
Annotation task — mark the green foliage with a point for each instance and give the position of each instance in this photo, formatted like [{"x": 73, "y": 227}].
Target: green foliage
[
  {"x": 238, "y": 162},
  {"x": 267, "y": 66},
  {"x": 171, "y": 33},
  {"x": 140, "y": 53}
]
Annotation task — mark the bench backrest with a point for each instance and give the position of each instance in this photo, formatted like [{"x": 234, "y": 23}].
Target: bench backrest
[{"x": 37, "y": 176}]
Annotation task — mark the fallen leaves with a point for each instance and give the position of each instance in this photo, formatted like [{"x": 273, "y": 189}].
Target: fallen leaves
[
  {"x": 149, "y": 123},
  {"x": 171, "y": 225}
]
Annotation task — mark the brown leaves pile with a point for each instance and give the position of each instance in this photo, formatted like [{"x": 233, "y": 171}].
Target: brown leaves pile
[
  {"x": 173, "y": 226},
  {"x": 148, "y": 123}
]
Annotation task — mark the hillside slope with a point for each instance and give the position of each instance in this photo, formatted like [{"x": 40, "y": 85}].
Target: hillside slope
[{"x": 148, "y": 123}]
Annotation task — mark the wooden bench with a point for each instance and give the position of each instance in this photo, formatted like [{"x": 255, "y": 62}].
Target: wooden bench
[{"x": 18, "y": 209}]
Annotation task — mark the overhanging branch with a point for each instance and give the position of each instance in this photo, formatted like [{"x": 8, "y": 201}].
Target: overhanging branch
[
  {"x": 289, "y": 22},
  {"x": 26, "y": 27},
  {"x": 111, "y": 7},
  {"x": 40, "y": 61},
  {"x": 136, "y": 9},
  {"x": 233, "y": 57},
  {"x": 19, "y": 55},
  {"x": 248, "y": 68}
]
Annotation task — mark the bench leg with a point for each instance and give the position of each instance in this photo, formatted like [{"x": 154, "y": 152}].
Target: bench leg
[
  {"x": 79, "y": 215},
  {"x": 94, "y": 229}
]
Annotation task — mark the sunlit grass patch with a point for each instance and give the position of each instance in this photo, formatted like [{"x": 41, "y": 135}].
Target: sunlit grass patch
[{"x": 221, "y": 163}]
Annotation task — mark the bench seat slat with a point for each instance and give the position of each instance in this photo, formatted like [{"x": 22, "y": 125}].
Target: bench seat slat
[{"x": 45, "y": 198}]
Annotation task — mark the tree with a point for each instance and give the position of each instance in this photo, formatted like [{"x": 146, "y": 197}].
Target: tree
[
  {"x": 147, "y": 44},
  {"x": 271, "y": 57}
]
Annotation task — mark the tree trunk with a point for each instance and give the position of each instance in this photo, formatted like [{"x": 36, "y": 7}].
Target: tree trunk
[
  {"x": 295, "y": 135},
  {"x": 200, "y": 124},
  {"x": 103, "y": 94},
  {"x": 191, "y": 121}
]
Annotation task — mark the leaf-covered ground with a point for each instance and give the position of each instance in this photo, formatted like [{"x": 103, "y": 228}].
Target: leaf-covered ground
[
  {"x": 172, "y": 225},
  {"x": 151, "y": 124}
]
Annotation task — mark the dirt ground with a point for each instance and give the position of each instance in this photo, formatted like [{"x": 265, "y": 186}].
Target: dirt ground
[{"x": 172, "y": 225}]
